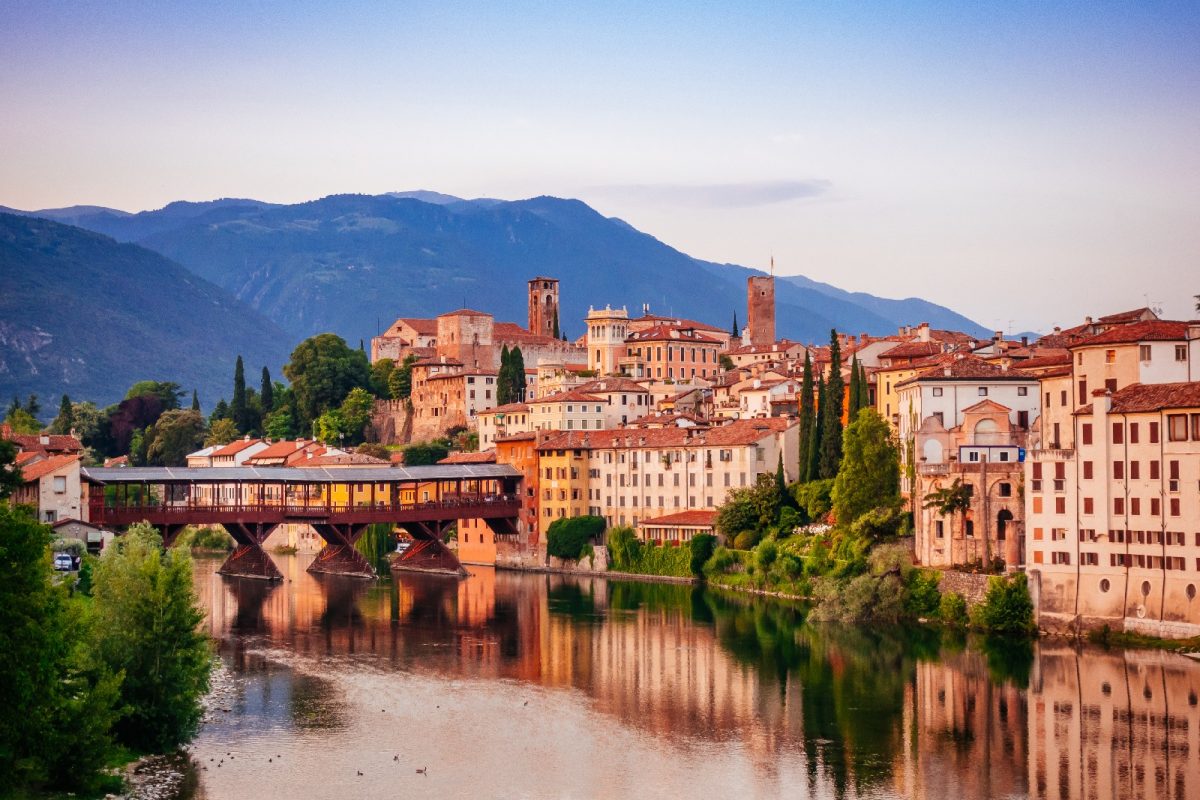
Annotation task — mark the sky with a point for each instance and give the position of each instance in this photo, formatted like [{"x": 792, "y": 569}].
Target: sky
[{"x": 1026, "y": 164}]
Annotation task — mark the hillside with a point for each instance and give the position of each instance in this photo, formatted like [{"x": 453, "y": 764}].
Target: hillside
[
  {"x": 353, "y": 263},
  {"x": 84, "y": 315}
]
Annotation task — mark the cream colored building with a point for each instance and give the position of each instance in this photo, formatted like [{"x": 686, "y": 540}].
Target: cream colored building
[
  {"x": 568, "y": 411},
  {"x": 506, "y": 420},
  {"x": 607, "y": 329}
]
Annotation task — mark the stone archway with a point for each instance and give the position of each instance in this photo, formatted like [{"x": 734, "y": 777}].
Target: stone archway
[{"x": 1005, "y": 548}]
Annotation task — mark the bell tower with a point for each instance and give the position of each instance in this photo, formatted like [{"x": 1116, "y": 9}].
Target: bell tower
[{"x": 543, "y": 306}]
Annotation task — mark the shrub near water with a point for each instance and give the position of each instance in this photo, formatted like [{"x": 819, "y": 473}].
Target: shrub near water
[
  {"x": 1007, "y": 607},
  {"x": 569, "y": 538}
]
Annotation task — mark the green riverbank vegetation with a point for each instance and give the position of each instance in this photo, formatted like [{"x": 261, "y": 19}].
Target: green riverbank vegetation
[{"x": 96, "y": 670}]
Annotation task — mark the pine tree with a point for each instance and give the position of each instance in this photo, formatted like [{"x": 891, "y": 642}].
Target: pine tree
[
  {"x": 831, "y": 406},
  {"x": 504, "y": 378},
  {"x": 854, "y": 389},
  {"x": 65, "y": 420},
  {"x": 195, "y": 401},
  {"x": 781, "y": 479},
  {"x": 517, "y": 374},
  {"x": 813, "y": 471},
  {"x": 266, "y": 392},
  {"x": 807, "y": 416},
  {"x": 237, "y": 407}
]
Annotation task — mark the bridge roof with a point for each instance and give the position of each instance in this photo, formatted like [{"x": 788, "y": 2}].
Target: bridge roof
[{"x": 434, "y": 472}]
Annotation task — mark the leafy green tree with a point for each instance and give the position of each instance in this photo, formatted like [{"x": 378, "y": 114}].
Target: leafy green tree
[
  {"x": 504, "y": 394},
  {"x": 59, "y": 705},
  {"x": 10, "y": 474},
  {"x": 21, "y": 421},
  {"x": 814, "y": 445},
  {"x": 400, "y": 381},
  {"x": 702, "y": 545},
  {"x": 951, "y": 500},
  {"x": 568, "y": 538},
  {"x": 65, "y": 420},
  {"x": 726, "y": 362},
  {"x": 88, "y": 421},
  {"x": 148, "y": 626},
  {"x": 167, "y": 392},
  {"x": 347, "y": 423},
  {"x": 173, "y": 436},
  {"x": 381, "y": 373},
  {"x": 323, "y": 370},
  {"x": 623, "y": 547},
  {"x": 869, "y": 476},
  {"x": 266, "y": 392},
  {"x": 278, "y": 425},
  {"x": 831, "y": 407},
  {"x": 1007, "y": 607},
  {"x": 807, "y": 416},
  {"x": 425, "y": 453},
  {"x": 221, "y": 431},
  {"x": 738, "y": 513}
]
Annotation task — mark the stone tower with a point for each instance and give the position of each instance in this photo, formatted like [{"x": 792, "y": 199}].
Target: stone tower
[
  {"x": 760, "y": 308},
  {"x": 543, "y": 305}
]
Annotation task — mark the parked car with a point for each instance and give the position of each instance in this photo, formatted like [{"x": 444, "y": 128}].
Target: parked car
[{"x": 65, "y": 562}]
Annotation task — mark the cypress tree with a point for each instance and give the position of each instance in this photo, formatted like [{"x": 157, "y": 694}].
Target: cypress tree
[
  {"x": 831, "y": 435},
  {"x": 854, "y": 388},
  {"x": 864, "y": 388},
  {"x": 517, "y": 374},
  {"x": 195, "y": 401},
  {"x": 807, "y": 416},
  {"x": 556, "y": 332},
  {"x": 237, "y": 407},
  {"x": 734, "y": 331},
  {"x": 66, "y": 417},
  {"x": 504, "y": 378},
  {"x": 813, "y": 472},
  {"x": 267, "y": 392}
]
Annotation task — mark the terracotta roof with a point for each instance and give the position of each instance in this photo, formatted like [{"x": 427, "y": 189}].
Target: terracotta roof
[
  {"x": 677, "y": 322},
  {"x": 484, "y": 457},
  {"x": 518, "y": 437},
  {"x": 738, "y": 432},
  {"x": 425, "y": 327},
  {"x": 1054, "y": 372},
  {"x": 1124, "y": 317},
  {"x": 672, "y": 333},
  {"x": 954, "y": 337},
  {"x": 25, "y": 456},
  {"x": 55, "y": 442},
  {"x": 511, "y": 332},
  {"x": 1149, "y": 331},
  {"x": 235, "y": 447},
  {"x": 604, "y": 385},
  {"x": 465, "y": 312},
  {"x": 508, "y": 408},
  {"x": 969, "y": 368},
  {"x": 1047, "y": 357},
  {"x": 777, "y": 347},
  {"x": 912, "y": 350},
  {"x": 281, "y": 449},
  {"x": 1142, "y": 397},
  {"x": 570, "y": 396},
  {"x": 40, "y": 469},
  {"x": 705, "y": 519},
  {"x": 119, "y": 461},
  {"x": 341, "y": 460}
]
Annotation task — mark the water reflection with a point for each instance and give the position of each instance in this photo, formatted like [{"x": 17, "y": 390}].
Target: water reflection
[{"x": 532, "y": 685}]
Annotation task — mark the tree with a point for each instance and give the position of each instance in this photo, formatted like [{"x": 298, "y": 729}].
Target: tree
[
  {"x": 167, "y": 392},
  {"x": 951, "y": 500},
  {"x": 568, "y": 538},
  {"x": 852, "y": 396},
  {"x": 195, "y": 401},
  {"x": 374, "y": 450},
  {"x": 869, "y": 477},
  {"x": 220, "y": 411},
  {"x": 221, "y": 431},
  {"x": 381, "y": 373},
  {"x": 735, "y": 331},
  {"x": 504, "y": 378},
  {"x": 517, "y": 375},
  {"x": 266, "y": 392},
  {"x": 831, "y": 407},
  {"x": 21, "y": 421},
  {"x": 278, "y": 425},
  {"x": 323, "y": 370},
  {"x": 32, "y": 406},
  {"x": 1007, "y": 607},
  {"x": 237, "y": 406},
  {"x": 173, "y": 436},
  {"x": 807, "y": 416},
  {"x": 88, "y": 421},
  {"x": 59, "y": 706},
  {"x": 65, "y": 420},
  {"x": 10, "y": 474},
  {"x": 424, "y": 453},
  {"x": 726, "y": 362},
  {"x": 131, "y": 415},
  {"x": 556, "y": 332},
  {"x": 148, "y": 626},
  {"x": 400, "y": 381},
  {"x": 814, "y": 444}
]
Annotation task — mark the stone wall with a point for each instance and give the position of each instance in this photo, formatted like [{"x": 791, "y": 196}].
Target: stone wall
[
  {"x": 510, "y": 556},
  {"x": 970, "y": 585},
  {"x": 391, "y": 420}
]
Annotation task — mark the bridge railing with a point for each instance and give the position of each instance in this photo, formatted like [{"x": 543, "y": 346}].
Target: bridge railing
[{"x": 189, "y": 509}]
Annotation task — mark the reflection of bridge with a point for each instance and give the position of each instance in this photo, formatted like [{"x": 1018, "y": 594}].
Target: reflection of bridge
[{"x": 339, "y": 503}]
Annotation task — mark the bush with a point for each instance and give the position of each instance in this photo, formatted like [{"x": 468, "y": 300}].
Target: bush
[
  {"x": 702, "y": 547},
  {"x": 815, "y": 497},
  {"x": 765, "y": 555},
  {"x": 624, "y": 548},
  {"x": 746, "y": 540},
  {"x": 72, "y": 546},
  {"x": 1007, "y": 607},
  {"x": 924, "y": 599},
  {"x": 568, "y": 538},
  {"x": 953, "y": 610},
  {"x": 866, "y": 598},
  {"x": 722, "y": 559},
  {"x": 878, "y": 524}
]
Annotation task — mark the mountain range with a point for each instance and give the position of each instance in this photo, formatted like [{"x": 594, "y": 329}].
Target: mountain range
[{"x": 351, "y": 264}]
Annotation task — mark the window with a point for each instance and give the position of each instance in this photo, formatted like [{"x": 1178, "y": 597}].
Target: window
[
  {"x": 1111, "y": 385},
  {"x": 1155, "y": 507},
  {"x": 1134, "y": 471},
  {"x": 1177, "y": 427},
  {"x": 60, "y": 484},
  {"x": 1082, "y": 387},
  {"x": 1088, "y": 506},
  {"x": 940, "y": 529},
  {"x": 983, "y": 391},
  {"x": 1110, "y": 356},
  {"x": 1118, "y": 436},
  {"x": 1144, "y": 352},
  {"x": 1153, "y": 470},
  {"x": 937, "y": 391},
  {"x": 1135, "y": 506},
  {"x": 1133, "y": 433},
  {"x": 1006, "y": 490},
  {"x": 1174, "y": 506},
  {"x": 1196, "y": 427},
  {"x": 1153, "y": 433},
  {"x": 1060, "y": 505},
  {"x": 1087, "y": 470},
  {"x": 1022, "y": 391},
  {"x": 1119, "y": 506},
  {"x": 1181, "y": 352},
  {"x": 1086, "y": 432},
  {"x": 1058, "y": 557}
]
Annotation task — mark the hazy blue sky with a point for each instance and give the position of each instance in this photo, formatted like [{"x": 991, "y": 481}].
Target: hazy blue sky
[{"x": 1024, "y": 163}]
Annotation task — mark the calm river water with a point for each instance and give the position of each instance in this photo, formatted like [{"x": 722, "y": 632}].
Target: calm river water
[{"x": 519, "y": 685}]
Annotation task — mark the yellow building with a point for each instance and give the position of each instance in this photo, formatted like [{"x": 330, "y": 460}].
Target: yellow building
[{"x": 563, "y": 478}]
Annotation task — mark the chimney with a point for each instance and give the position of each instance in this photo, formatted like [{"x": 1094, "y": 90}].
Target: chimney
[
  {"x": 1024, "y": 341},
  {"x": 1087, "y": 320}
]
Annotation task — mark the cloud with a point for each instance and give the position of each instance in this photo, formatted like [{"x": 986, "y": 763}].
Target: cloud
[{"x": 715, "y": 195}]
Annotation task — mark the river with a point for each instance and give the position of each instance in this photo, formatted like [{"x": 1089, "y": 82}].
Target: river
[{"x": 544, "y": 686}]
